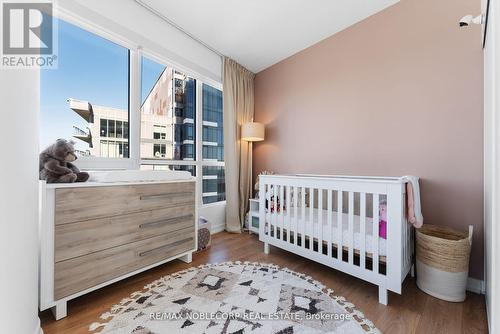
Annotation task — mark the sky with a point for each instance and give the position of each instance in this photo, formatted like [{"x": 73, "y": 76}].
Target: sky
[{"x": 90, "y": 68}]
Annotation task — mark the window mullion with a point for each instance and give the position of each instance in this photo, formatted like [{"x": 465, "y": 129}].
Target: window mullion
[
  {"x": 135, "y": 107},
  {"x": 199, "y": 140}
]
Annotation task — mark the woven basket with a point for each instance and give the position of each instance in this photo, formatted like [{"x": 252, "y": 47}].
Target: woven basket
[
  {"x": 204, "y": 237},
  {"x": 443, "y": 261}
]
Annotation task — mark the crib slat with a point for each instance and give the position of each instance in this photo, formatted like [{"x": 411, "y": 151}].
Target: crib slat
[
  {"x": 408, "y": 240},
  {"x": 275, "y": 210},
  {"x": 303, "y": 221},
  {"x": 376, "y": 200},
  {"x": 408, "y": 236},
  {"x": 269, "y": 217},
  {"x": 329, "y": 230},
  {"x": 281, "y": 216},
  {"x": 404, "y": 245},
  {"x": 340, "y": 224},
  {"x": 351, "y": 227},
  {"x": 295, "y": 218},
  {"x": 311, "y": 218},
  {"x": 271, "y": 208},
  {"x": 320, "y": 221},
  {"x": 362, "y": 230},
  {"x": 267, "y": 228},
  {"x": 287, "y": 209}
]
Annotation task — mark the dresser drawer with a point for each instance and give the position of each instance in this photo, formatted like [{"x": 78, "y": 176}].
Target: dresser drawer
[
  {"x": 77, "y": 274},
  {"x": 89, "y": 236},
  {"x": 86, "y": 203}
]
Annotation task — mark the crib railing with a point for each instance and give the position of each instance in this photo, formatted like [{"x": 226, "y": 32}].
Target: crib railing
[{"x": 307, "y": 215}]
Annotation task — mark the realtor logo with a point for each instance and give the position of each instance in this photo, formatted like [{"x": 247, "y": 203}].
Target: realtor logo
[{"x": 28, "y": 35}]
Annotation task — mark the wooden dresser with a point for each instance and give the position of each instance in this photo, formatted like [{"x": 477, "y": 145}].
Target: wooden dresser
[{"x": 94, "y": 234}]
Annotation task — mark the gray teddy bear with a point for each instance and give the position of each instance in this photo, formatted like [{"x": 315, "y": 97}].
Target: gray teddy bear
[{"x": 56, "y": 164}]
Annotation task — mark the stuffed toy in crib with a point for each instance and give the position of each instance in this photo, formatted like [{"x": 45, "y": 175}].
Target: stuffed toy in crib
[
  {"x": 382, "y": 224},
  {"x": 273, "y": 201}
]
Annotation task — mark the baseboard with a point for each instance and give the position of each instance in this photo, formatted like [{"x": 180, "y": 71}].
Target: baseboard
[
  {"x": 475, "y": 285},
  {"x": 38, "y": 330},
  {"x": 217, "y": 228},
  {"x": 488, "y": 316}
]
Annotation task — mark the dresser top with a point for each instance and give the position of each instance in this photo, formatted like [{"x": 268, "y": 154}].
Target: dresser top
[{"x": 107, "y": 184}]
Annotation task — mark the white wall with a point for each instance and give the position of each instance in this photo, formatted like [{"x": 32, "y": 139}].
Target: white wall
[
  {"x": 139, "y": 26},
  {"x": 215, "y": 213},
  {"x": 19, "y": 98},
  {"x": 491, "y": 165}
]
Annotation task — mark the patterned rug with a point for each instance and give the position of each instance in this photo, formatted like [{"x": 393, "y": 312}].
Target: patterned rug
[{"x": 234, "y": 298}]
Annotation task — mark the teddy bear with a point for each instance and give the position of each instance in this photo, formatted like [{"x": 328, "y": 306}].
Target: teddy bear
[{"x": 56, "y": 166}]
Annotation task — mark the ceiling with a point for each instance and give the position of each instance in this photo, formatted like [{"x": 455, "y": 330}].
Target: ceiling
[{"x": 260, "y": 33}]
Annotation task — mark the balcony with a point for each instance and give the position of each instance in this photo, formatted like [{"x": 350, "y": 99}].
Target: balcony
[
  {"x": 82, "y": 135},
  {"x": 82, "y": 108}
]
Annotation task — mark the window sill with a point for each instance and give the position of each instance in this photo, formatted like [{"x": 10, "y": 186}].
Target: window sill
[{"x": 213, "y": 204}]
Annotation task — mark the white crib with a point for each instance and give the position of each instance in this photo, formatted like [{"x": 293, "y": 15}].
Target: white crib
[{"x": 334, "y": 220}]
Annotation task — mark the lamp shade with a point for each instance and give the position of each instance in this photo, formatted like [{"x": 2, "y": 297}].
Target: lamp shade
[{"x": 252, "y": 131}]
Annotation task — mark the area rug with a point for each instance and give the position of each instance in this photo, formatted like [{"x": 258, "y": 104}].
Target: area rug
[{"x": 234, "y": 298}]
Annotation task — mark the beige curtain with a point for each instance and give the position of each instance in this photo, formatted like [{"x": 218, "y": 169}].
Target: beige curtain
[{"x": 238, "y": 109}]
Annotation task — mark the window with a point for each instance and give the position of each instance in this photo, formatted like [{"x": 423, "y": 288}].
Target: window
[
  {"x": 159, "y": 132},
  {"x": 87, "y": 97},
  {"x": 160, "y": 116},
  {"x": 214, "y": 186},
  {"x": 119, "y": 129},
  {"x": 168, "y": 109},
  {"x": 104, "y": 127},
  {"x": 113, "y": 149},
  {"x": 159, "y": 150},
  {"x": 213, "y": 136},
  {"x": 171, "y": 102}
]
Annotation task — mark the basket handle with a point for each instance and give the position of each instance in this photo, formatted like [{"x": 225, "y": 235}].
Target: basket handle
[{"x": 471, "y": 229}]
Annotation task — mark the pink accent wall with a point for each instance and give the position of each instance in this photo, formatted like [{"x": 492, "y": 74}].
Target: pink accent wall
[{"x": 398, "y": 93}]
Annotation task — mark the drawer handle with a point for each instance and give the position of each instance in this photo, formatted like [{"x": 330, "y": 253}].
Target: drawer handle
[
  {"x": 166, "y": 221},
  {"x": 166, "y": 195},
  {"x": 173, "y": 244}
]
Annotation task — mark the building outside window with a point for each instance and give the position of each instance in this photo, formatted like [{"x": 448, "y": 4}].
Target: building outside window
[
  {"x": 168, "y": 105},
  {"x": 213, "y": 137},
  {"x": 107, "y": 134},
  {"x": 214, "y": 186},
  {"x": 170, "y": 101}
]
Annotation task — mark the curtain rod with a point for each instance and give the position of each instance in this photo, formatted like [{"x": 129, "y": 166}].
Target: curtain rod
[{"x": 176, "y": 26}]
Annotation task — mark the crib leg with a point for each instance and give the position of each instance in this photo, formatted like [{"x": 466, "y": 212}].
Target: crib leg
[
  {"x": 266, "y": 248},
  {"x": 412, "y": 270},
  {"x": 382, "y": 295}
]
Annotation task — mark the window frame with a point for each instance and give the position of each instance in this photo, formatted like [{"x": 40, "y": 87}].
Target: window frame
[
  {"x": 102, "y": 163},
  {"x": 198, "y": 162}
]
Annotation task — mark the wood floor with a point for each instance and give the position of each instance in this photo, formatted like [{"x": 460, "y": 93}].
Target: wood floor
[{"x": 411, "y": 312}]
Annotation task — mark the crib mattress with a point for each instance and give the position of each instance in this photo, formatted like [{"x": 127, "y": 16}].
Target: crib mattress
[{"x": 314, "y": 230}]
